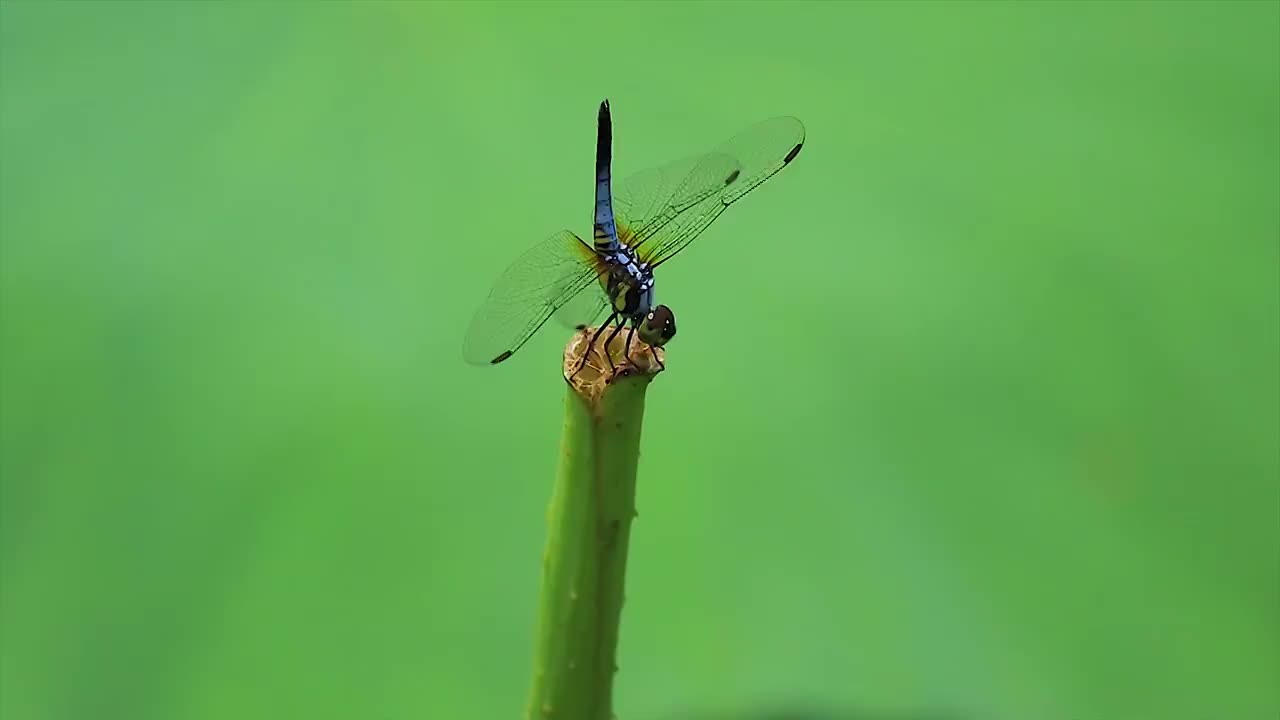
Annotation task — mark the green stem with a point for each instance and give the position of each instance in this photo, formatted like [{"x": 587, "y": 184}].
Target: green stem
[{"x": 585, "y": 562}]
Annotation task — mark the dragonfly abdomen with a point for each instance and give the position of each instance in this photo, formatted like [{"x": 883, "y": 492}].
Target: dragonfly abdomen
[{"x": 606, "y": 231}]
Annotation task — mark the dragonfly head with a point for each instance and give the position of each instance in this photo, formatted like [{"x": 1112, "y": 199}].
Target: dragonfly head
[{"x": 658, "y": 326}]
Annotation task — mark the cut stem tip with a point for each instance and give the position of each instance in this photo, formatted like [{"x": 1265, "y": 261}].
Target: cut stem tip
[{"x": 605, "y": 365}]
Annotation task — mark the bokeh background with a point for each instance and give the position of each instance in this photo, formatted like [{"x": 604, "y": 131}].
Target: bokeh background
[{"x": 974, "y": 410}]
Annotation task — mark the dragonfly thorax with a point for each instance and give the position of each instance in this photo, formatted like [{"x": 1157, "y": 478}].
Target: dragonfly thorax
[
  {"x": 630, "y": 283},
  {"x": 630, "y": 289}
]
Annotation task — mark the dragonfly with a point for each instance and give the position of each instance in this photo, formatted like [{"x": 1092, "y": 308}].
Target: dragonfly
[{"x": 639, "y": 225}]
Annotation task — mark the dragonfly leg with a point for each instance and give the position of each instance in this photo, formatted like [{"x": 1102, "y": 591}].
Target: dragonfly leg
[
  {"x": 607, "y": 355},
  {"x": 654, "y": 353},
  {"x": 592, "y": 344},
  {"x": 626, "y": 352}
]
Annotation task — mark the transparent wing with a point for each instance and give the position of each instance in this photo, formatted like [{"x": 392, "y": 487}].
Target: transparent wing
[
  {"x": 542, "y": 280},
  {"x": 661, "y": 210},
  {"x": 586, "y": 308}
]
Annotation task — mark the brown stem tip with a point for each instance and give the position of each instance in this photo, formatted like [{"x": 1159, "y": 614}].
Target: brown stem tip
[{"x": 591, "y": 378}]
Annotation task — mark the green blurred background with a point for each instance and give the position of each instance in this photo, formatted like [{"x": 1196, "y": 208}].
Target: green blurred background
[{"x": 981, "y": 421}]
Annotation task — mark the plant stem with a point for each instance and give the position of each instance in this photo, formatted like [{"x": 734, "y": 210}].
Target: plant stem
[{"x": 589, "y": 526}]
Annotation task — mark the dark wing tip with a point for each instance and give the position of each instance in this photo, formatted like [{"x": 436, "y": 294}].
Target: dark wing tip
[
  {"x": 794, "y": 152},
  {"x": 506, "y": 354}
]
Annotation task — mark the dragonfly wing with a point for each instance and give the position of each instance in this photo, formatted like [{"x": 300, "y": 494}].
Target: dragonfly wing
[
  {"x": 586, "y": 308},
  {"x": 543, "y": 279},
  {"x": 661, "y": 210}
]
